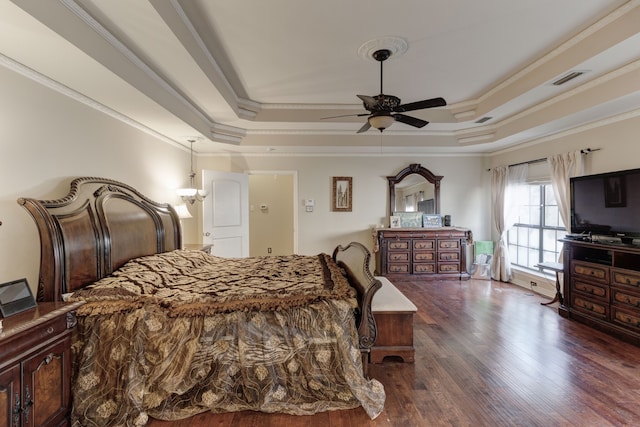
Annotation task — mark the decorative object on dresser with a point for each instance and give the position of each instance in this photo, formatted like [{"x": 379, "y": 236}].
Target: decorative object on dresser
[
  {"x": 35, "y": 366},
  {"x": 431, "y": 221},
  {"x": 432, "y": 253},
  {"x": 602, "y": 287},
  {"x": 409, "y": 219},
  {"x": 15, "y": 297}
]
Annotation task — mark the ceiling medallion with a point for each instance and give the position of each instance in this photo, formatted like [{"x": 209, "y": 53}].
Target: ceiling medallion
[{"x": 396, "y": 45}]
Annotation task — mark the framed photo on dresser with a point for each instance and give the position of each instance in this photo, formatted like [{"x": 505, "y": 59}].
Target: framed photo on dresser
[
  {"x": 431, "y": 221},
  {"x": 15, "y": 297}
]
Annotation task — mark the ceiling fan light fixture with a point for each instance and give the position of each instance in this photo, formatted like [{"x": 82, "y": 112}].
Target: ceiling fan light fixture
[{"x": 381, "y": 121}]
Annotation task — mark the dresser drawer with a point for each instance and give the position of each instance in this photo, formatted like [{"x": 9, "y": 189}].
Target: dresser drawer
[
  {"x": 446, "y": 267},
  {"x": 627, "y": 318},
  {"x": 593, "y": 308},
  {"x": 398, "y": 257},
  {"x": 626, "y": 299},
  {"x": 448, "y": 244},
  {"x": 627, "y": 278},
  {"x": 398, "y": 245},
  {"x": 424, "y": 268},
  {"x": 593, "y": 290},
  {"x": 31, "y": 337},
  {"x": 449, "y": 256},
  {"x": 422, "y": 245},
  {"x": 424, "y": 256},
  {"x": 398, "y": 268},
  {"x": 594, "y": 272}
]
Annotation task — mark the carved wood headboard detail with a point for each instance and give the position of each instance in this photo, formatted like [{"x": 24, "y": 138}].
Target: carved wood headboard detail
[{"x": 93, "y": 230}]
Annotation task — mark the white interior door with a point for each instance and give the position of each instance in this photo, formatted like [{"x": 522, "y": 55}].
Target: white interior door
[{"x": 226, "y": 213}]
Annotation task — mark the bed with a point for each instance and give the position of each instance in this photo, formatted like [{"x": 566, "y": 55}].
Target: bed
[{"x": 168, "y": 333}]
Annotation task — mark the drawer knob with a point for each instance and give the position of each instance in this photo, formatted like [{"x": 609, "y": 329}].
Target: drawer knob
[{"x": 49, "y": 330}]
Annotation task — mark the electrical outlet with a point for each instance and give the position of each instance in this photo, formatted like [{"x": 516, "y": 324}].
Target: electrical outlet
[
  {"x": 532, "y": 283},
  {"x": 268, "y": 250}
]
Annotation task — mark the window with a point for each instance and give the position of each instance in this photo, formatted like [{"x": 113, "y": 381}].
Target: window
[
  {"x": 534, "y": 237},
  {"x": 410, "y": 203}
]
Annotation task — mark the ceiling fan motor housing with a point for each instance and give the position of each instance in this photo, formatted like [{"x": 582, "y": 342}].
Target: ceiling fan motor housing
[
  {"x": 381, "y": 55},
  {"x": 386, "y": 102}
]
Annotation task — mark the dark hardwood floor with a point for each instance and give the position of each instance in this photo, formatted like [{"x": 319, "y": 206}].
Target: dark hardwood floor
[{"x": 488, "y": 354}]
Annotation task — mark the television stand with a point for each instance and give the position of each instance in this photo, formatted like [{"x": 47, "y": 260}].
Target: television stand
[{"x": 602, "y": 287}]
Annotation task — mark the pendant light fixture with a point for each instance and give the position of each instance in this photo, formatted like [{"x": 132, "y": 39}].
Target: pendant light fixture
[{"x": 191, "y": 194}]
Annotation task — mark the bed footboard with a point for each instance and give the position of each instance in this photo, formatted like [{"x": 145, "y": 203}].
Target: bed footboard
[{"x": 355, "y": 259}]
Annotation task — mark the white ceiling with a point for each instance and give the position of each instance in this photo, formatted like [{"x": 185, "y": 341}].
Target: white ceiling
[{"x": 255, "y": 76}]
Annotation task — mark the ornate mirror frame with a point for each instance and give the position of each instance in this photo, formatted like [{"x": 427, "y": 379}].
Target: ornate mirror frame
[{"x": 414, "y": 168}]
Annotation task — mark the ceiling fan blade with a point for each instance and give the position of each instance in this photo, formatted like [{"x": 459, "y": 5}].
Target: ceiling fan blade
[
  {"x": 365, "y": 127},
  {"x": 419, "y": 105},
  {"x": 412, "y": 121},
  {"x": 369, "y": 101},
  {"x": 345, "y": 115}
]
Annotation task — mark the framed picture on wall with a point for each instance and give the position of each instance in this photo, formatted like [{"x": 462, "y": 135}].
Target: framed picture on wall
[{"x": 342, "y": 194}]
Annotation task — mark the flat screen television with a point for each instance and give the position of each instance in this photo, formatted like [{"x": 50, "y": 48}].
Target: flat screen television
[{"x": 607, "y": 204}]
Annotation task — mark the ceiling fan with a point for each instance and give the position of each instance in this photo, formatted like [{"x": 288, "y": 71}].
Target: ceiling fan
[{"x": 384, "y": 110}]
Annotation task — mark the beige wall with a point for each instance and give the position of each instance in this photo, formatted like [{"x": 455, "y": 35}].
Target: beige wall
[
  {"x": 617, "y": 139},
  {"x": 46, "y": 139}
]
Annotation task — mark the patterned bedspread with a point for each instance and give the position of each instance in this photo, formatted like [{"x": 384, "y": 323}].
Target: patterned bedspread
[{"x": 176, "y": 334}]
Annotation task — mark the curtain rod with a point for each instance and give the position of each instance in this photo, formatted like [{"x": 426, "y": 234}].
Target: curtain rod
[{"x": 583, "y": 151}]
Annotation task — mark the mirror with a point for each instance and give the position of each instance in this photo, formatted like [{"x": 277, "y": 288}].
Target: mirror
[{"x": 414, "y": 193}]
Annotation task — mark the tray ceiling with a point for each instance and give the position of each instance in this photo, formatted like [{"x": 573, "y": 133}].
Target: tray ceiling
[{"x": 250, "y": 76}]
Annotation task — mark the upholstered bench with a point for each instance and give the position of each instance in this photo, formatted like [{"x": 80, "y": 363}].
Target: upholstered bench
[{"x": 394, "y": 320}]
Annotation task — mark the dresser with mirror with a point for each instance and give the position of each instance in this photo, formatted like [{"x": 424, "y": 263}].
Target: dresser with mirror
[{"x": 415, "y": 248}]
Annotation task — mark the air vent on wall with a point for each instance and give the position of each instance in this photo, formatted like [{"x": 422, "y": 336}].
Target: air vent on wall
[
  {"x": 484, "y": 119},
  {"x": 567, "y": 77}
]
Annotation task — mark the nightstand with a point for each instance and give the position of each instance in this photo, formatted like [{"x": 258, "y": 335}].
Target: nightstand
[
  {"x": 35, "y": 365},
  {"x": 198, "y": 247}
]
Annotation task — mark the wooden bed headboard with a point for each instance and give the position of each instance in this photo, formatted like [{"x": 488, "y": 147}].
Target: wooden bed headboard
[{"x": 93, "y": 230}]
